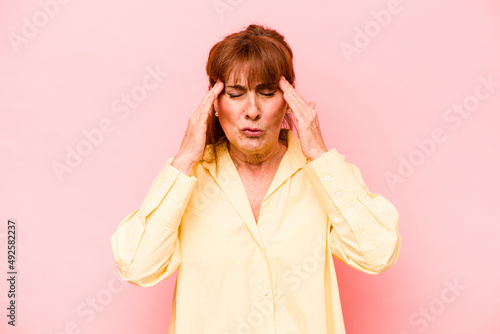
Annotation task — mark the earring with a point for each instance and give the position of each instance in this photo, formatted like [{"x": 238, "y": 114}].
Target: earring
[
  {"x": 289, "y": 110},
  {"x": 216, "y": 114}
]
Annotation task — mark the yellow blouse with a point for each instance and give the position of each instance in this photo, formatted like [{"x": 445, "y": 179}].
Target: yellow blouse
[{"x": 235, "y": 276}]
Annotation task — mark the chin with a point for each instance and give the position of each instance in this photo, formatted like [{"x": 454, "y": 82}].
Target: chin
[{"x": 248, "y": 144}]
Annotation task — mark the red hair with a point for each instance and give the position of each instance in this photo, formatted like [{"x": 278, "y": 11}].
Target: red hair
[{"x": 263, "y": 54}]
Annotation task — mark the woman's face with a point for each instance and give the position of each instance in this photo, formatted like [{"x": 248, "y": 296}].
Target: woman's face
[{"x": 261, "y": 107}]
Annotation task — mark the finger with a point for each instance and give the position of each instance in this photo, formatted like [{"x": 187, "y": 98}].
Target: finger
[
  {"x": 214, "y": 91},
  {"x": 292, "y": 92},
  {"x": 295, "y": 101},
  {"x": 299, "y": 100},
  {"x": 284, "y": 85},
  {"x": 297, "y": 108},
  {"x": 217, "y": 88},
  {"x": 287, "y": 93},
  {"x": 208, "y": 100},
  {"x": 312, "y": 105}
]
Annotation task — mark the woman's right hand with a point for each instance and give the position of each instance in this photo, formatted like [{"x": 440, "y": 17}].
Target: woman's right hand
[{"x": 193, "y": 143}]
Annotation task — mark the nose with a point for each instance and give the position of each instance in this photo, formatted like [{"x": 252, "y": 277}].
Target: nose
[{"x": 252, "y": 110}]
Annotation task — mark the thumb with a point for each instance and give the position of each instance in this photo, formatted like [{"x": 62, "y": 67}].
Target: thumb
[{"x": 312, "y": 104}]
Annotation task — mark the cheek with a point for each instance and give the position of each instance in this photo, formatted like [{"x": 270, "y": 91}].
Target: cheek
[
  {"x": 278, "y": 106},
  {"x": 228, "y": 110},
  {"x": 226, "y": 105},
  {"x": 279, "y": 100}
]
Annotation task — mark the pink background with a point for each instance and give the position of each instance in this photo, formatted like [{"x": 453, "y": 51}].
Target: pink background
[{"x": 68, "y": 76}]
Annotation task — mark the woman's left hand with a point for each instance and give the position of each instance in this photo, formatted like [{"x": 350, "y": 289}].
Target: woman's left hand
[{"x": 308, "y": 128}]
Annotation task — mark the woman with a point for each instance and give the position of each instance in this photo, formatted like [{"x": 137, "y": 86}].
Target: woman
[{"x": 250, "y": 214}]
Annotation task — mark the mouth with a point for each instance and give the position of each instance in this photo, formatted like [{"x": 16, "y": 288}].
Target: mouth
[{"x": 252, "y": 132}]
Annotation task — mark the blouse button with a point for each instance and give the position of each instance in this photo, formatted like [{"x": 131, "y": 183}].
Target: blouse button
[
  {"x": 338, "y": 194},
  {"x": 164, "y": 186},
  {"x": 265, "y": 292},
  {"x": 327, "y": 177}
]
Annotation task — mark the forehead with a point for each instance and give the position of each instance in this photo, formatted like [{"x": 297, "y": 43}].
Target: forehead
[{"x": 239, "y": 75}]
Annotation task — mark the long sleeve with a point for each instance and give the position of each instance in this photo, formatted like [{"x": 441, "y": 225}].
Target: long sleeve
[
  {"x": 363, "y": 226},
  {"x": 146, "y": 243}
]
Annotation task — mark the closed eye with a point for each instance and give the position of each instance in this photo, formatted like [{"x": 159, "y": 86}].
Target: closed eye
[{"x": 232, "y": 96}]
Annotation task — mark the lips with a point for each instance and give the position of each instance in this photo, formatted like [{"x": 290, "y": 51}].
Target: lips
[
  {"x": 252, "y": 129},
  {"x": 252, "y": 132}
]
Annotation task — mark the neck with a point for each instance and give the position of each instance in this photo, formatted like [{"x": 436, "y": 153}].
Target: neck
[{"x": 258, "y": 161}]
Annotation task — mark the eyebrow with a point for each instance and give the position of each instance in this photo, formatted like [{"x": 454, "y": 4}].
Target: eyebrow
[{"x": 260, "y": 86}]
